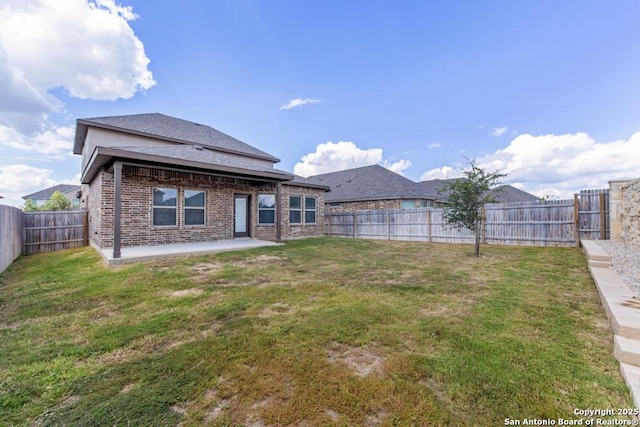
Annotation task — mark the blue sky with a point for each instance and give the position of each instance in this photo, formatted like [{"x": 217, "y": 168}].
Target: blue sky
[{"x": 545, "y": 91}]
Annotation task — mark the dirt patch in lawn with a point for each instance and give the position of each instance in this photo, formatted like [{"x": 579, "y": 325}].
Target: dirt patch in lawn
[
  {"x": 363, "y": 361},
  {"x": 186, "y": 292},
  {"x": 276, "y": 309}
]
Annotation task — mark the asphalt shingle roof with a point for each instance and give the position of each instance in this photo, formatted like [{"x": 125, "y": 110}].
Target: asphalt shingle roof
[
  {"x": 202, "y": 155},
  {"x": 366, "y": 183},
  {"x": 173, "y": 129},
  {"x": 48, "y": 192},
  {"x": 378, "y": 183}
]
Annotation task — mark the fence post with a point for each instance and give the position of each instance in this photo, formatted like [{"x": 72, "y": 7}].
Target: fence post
[
  {"x": 576, "y": 219},
  {"x": 355, "y": 233},
  {"x": 429, "y": 225},
  {"x": 85, "y": 229},
  {"x": 603, "y": 231},
  {"x": 388, "y": 216}
]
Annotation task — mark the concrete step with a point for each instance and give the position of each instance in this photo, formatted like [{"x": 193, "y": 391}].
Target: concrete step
[
  {"x": 619, "y": 302},
  {"x": 631, "y": 375},
  {"x": 626, "y": 350},
  {"x": 596, "y": 256}
]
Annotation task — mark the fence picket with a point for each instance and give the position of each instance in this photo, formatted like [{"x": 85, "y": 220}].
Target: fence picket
[
  {"x": 53, "y": 231},
  {"x": 540, "y": 223}
]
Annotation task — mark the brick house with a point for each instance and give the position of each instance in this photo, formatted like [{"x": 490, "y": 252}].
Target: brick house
[{"x": 151, "y": 179}]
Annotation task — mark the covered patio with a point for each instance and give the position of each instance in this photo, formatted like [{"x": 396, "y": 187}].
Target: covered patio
[{"x": 150, "y": 253}]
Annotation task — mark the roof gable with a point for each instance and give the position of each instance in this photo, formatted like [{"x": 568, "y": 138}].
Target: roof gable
[{"x": 160, "y": 126}]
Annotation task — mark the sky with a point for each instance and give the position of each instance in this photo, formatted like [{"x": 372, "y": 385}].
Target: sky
[{"x": 545, "y": 91}]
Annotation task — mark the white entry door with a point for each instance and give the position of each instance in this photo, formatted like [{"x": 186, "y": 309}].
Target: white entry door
[{"x": 241, "y": 216}]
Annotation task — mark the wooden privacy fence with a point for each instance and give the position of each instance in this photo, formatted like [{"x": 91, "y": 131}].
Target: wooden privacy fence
[
  {"x": 543, "y": 223},
  {"x": 10, "y": 235},
  {"x": 53, "y": 231}
]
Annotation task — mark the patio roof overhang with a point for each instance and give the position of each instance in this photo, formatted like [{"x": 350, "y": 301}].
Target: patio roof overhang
[{"x": 105, "y": 157}]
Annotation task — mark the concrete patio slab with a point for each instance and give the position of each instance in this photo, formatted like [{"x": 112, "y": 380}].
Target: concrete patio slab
[{"x": 150, "y": 253}]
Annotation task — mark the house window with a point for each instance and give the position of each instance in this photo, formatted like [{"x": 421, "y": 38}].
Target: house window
[
  {"x": 165, "y": 211},
  {"x": 266, "y": 209},
  {"x": 408, "y": 204},
  {"x": 295, "y": 209},
  {"x": 194, "y": 201},
  {"x": 310, "y": 210}
]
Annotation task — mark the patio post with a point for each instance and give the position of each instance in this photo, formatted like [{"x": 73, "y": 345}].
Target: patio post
[{"x": 117, "y": 207}]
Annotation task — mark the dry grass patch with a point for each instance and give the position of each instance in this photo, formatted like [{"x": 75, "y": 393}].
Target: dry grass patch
[
  {"x": 363, "y": 361},
  {"x": 187, "y": 292}
]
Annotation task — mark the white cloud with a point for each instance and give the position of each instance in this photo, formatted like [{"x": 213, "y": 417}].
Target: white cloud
[
  {"x": 560, "y": 165},
  {"x": 85, "y": 47},
  {"x": 434, "y": 145},
  {"x": 398, "y": 167},
  {"x": 332, "y": 157},
  {"x": 88, "y": 48},
  {"x": 18, "y": 180},
  {"x": 298, "y": 102},
  {"x": 444, "y": 172},
  {"x": 500, "y": 131},
  {"x": 53, "y": 143}
]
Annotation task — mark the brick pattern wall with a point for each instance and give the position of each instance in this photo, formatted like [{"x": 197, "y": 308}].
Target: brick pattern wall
[
  {"x": 625, "y": 211},
  {"x": 367, "y": 205},
  {"x": 295, "y": 231},
  {"x": 137, "y": 208}
]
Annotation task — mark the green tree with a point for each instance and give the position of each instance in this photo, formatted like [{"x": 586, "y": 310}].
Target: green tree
[
  {"x": 30, "y": 206},
  {"x": 57, "y": 202},
  {"x": 465, "y": 198}
]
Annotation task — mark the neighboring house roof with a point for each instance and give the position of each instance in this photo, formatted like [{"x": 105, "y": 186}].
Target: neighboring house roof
[
  {"x": 508, "y": 193},
  {"x": 48, "y": 192},
  {"x": 378, "y": 183},
  {"x": 366, "y": 183},
  {"x": 171, "y": 129}
]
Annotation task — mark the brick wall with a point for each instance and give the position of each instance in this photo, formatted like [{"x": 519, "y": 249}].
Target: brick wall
[
  {"x": 624, "y": 206},
  {"x": 137, "y": 211},
  {"x": 367, "y": 205}
]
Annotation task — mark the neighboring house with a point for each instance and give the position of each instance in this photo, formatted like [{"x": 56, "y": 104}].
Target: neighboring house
[
  {"x": 151, "y": 179},
  {"x": 377, "y": 188},
  {"x": 69, "y": 191},
  {"x": 371, "y": 188}
]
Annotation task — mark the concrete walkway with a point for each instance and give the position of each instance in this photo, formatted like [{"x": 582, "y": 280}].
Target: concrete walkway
[
  {"x": 623, "y": 311},
  {"x": 150, "y": 253}
]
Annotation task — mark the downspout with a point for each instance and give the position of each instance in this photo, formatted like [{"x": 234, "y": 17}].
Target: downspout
[{"x": 117, "y": 207}]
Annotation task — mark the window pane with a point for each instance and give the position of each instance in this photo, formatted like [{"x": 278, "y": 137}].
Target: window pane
[
  {"x": 266, "y": 201},
  {"x": 310, "y": 203},
  {"x": 310, "y": 217},
  {"x": 194, "y": 198},
  {"x": 408, "y": 204},
  {"x": 295, "y": 217},
  {"x": 295, "y": 202},
  {"x": 164, "y": 216},
  {"x": 194, "y": 216},
  {"x": 165, "y": 196},
  {"x": 266, "y": 216}
]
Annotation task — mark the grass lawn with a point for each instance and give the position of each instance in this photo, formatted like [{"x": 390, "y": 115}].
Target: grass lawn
[{"x": 315, "y": 332}]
